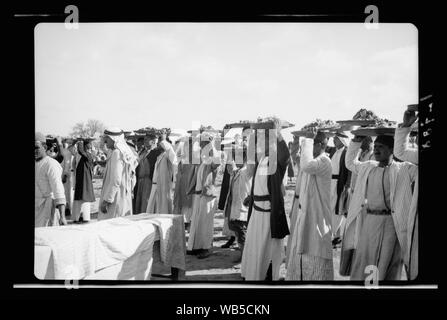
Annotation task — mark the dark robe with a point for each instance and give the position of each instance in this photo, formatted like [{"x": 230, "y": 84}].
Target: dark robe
[
  {"x": 290, "y": 170},
  {"x": 278, "y": 221},
  {"x": 225, "y": 184},
  {"x": 344, "y": 178},
  {"x": 84, "y": 177},
  {"x": 152, "y": 158},
  {"x": 224, "y": 189}
]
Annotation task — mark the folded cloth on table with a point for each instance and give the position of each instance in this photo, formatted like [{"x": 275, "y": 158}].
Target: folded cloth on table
[
  {"x": 80, "y": 251},
  {"x": 122, "y": 238},
  {"x": 76, "y": 253},
  {"x": 172, "y": 237}
]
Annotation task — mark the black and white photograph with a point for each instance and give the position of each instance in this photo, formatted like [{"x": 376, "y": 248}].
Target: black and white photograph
[{"x": 233, "y": 154}]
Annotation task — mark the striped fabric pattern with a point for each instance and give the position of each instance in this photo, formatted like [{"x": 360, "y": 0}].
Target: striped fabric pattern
[{"x": 402, "y": 175}]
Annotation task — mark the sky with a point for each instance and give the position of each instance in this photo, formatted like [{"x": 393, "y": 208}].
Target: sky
[{"x": 180, "y": 75}]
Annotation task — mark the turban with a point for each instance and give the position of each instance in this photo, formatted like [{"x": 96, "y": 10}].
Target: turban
[{"x": 385, "y": 140}]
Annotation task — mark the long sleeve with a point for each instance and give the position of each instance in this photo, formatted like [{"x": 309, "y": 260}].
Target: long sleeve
[
  {"x": 116, "y": 172},
  {"x": 307, "y": 162},
  {"x": 352, "y": 157},
  {"x": 57, "y": 188},
  {"x": 172, "y": 155},
  {"x": 67, "y": 162},
  {"x": 401, "y": 148},
  {"x": 208, "y": 187},
  {"x": 87, "y": 156}
]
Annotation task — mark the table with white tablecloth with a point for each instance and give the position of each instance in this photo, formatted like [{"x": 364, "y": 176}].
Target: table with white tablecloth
[{"x": 115, "y": 249}]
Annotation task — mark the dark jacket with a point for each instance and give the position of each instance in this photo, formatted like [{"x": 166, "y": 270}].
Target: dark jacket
[
  {"x": 344, "y": 178},
  {"x": 278, "y": 221},
  {"x": 84, "y": 177}
]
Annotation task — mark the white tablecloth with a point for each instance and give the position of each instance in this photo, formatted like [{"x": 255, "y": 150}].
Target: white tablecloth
[{"x": 120, "y": 248}]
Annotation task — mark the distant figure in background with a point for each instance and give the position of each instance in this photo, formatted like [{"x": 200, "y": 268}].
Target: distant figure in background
[
  {"x": 83, "y": 194},
  {"x": 49, "y": 190},
  {"x": 143, "y": 186},
  {"x": 140, "y": 145},
  {"x": 290, "y": 167},
  {"x": 116, "y": 194},
  {"x": 68, "y": 153},
  {"x": 160, "y": 199}
]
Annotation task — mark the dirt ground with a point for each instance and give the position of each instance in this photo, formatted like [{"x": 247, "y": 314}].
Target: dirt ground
[{"x": 219, "y": 266}]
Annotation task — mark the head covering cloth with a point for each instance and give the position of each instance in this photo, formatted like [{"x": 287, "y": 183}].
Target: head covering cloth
[{"x": 117, "y": 135}]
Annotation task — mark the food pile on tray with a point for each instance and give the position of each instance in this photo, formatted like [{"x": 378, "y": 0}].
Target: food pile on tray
[
  {"x": 371, "y": 125},
  {"x": 327, "y": 126},
  {"x": 270, "y": 123}
]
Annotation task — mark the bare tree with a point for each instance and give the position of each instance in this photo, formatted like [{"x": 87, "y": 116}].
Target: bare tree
[{"x": 88, "y": 129}]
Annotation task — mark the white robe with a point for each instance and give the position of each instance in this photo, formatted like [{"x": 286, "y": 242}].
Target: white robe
[
  {"x": 403, "y": 151},
  {"x": 402, "y": 174},
  {"x": 49, "y": 190},
  {"x": 68, "y": 186},
  {"x": 202, "y": 220},
  {"x": 260, "y": 248},
  {"x": 116, "y": 188},
  {"x": 160, "y": 199},
  {"x": 310, "y": 256}
]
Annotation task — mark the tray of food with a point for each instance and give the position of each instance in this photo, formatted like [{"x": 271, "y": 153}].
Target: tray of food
[
  {"x": 358, "y": 122},
  {"x": 382, "y": 127},
  {"x": 362, "y": 118},
  {"x": 270, "y": 123},
  {"x": 240, "y": 124}
]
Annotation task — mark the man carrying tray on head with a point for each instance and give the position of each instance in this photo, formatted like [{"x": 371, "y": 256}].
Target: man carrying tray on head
[
  {"x": 267, "y": 222},
  {"x": 376, "y": 226},
  {"x": 310, "y": 254}
]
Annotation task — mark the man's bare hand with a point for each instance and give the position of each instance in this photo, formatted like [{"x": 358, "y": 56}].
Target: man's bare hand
[
  {"x": 311, "y": 133},
  {"x": 409, "y": 118}
]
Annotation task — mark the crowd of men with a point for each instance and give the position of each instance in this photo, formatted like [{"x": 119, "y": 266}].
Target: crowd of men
[{"x": 361, "y": 194}]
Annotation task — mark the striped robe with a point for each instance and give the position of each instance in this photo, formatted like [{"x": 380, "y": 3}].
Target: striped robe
[
  {"x": 402, "y": 175},
  {"x": 310, "y": 256},
  {"x": 405, "y": 153}
]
